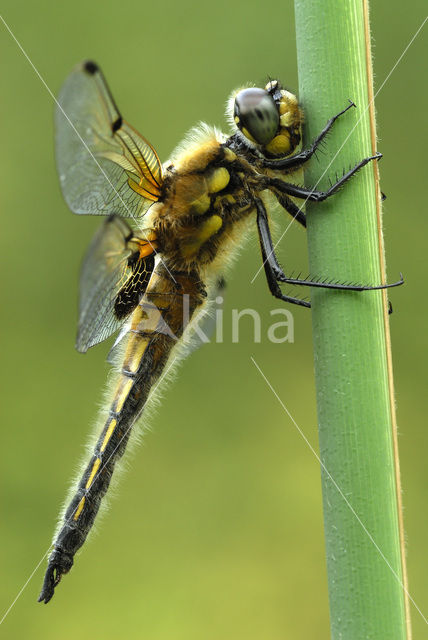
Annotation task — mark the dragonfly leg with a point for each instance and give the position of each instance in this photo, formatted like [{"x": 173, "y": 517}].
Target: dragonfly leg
[
  {"x": 270, "y": 263},
  {"x": 294, "y": 211},
  {"x": 274, "y": 271},
  {"x": 313, "y": 194}
]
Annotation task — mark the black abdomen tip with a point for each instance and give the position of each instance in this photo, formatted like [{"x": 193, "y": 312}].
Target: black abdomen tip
[
  {"x": 49, "y": 584},
  {"x": 59, "y": 563}
]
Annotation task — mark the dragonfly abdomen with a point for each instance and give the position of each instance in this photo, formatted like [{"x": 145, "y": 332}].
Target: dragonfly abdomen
[
  {"x": 128, "y": 401},
  {"x": 156, "y": 325}
]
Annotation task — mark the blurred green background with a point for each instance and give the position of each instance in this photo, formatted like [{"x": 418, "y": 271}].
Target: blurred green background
[{"x": 216, "y": 528}]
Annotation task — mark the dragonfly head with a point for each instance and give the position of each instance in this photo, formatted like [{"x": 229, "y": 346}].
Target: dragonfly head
[{"x": 268, "y": 119}]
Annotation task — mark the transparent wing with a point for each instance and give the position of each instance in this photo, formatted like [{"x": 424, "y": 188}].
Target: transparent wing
[
  {"x": 104, "y": 165},
  {"x": 114, "y": 276}
]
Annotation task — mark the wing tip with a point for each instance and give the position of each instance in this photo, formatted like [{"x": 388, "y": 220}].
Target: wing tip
[{"x": 81, "y": 345}]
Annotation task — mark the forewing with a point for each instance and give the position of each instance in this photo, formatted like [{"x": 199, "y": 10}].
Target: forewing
[
  {"x": 104, "y": 165},
  {"x": 111, "y": 282}
]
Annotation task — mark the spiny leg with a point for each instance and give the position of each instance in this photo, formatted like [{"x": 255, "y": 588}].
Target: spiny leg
[
  {"x": 267, "y": 253},
  {"x": 312, "y": 194},
  {"x": 275, "y": 270},
  {"x": 294, "y": 211},
  {"x": 296, "y": 160}
]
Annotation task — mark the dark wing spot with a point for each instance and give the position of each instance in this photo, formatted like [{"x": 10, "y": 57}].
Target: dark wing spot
[
  {"x": 91, "y": 67},
  {"x": 131, "y": 293},
  {"x": 116, "y": 124}
]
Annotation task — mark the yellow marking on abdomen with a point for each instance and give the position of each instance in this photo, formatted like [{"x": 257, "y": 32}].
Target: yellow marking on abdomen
[
  {"x": 122, "y": 390},
  {"x": 108, "y": 434},
  {"x": 79, "y": 508},
  {"x": 95, "y": 468},
  {"x": 155, "y": 297},
  {"x": 136, "y": 348}
]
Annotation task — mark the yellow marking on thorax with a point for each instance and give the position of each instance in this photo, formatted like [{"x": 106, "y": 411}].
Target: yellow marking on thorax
[
  {"x": 191, "y": 245},
  {"x": 108, "y": 434},
  {"x": 229, "y": 155},
  {"x": 95, "y": 468},
  {"x": 200, "y": 205},
  {"x": 122, "y": 391},
  {"x": 209, "y": 228},
  {"x": 215, "y": 180},
  {"x": 79, "y": 508},
  {"x": 224, "y": 198},
  {"x": 218, "y": 180}
]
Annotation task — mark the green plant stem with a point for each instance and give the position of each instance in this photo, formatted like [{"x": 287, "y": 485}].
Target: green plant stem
[{"x": 361, "y": 496}]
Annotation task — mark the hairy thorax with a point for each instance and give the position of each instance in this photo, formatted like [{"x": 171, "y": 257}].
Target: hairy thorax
[{"x": 205, "y": 195}]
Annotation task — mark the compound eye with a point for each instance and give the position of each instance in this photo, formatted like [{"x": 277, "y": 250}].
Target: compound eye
[{"x": 256, "y": 115}]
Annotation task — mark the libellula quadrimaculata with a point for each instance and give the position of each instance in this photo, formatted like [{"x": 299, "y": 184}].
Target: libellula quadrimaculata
[{"x": 187, "y": 217}]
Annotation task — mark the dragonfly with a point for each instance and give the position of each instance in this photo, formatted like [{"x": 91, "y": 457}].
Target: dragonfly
[{"x": 167, "y": 233}]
